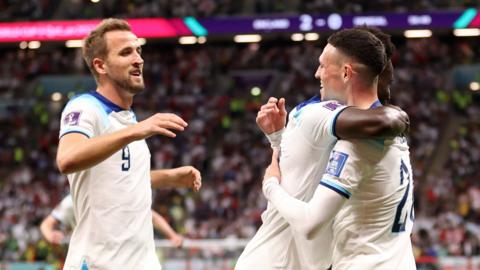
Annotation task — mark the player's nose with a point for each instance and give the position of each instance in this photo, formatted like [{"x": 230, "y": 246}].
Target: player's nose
[
  {"x": 317, "y": 74},
  {"x": 138, "y": 60}
]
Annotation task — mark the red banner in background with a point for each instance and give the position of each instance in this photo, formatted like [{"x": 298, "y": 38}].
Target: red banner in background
[
  {"x": 159, "y": 28},
  {"x": 64, "y": 30}
]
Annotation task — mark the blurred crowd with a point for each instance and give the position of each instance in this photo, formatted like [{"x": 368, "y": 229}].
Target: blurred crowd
[
  {"x": 210, "y": 87},
  {"x": 87, "y": 9}
]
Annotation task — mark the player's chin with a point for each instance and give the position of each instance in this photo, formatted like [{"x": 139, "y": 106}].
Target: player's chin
[{"x": 136, "y": 86}]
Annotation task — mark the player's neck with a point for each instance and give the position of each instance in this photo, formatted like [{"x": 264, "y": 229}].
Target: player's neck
[
  {"x": 118, "y": 97},
  {"x": 362, "y": 98}
]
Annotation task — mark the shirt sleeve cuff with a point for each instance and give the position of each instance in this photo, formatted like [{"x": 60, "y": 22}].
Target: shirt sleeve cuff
[
  {"x": 275, "y": 138},
  {"x": 270, "y": 184}
]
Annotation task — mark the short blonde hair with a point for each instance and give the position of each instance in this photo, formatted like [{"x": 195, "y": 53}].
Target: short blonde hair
[{"x": 95, "y": 45}]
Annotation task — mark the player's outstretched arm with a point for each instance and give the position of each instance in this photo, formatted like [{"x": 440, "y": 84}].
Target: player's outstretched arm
[
  {"x": 162, "y": 225},
  {"x": 181, "y": 177},
  {"x": 304, "y": 217},
  {"x": 384, "y": 121},
  {"x": 47, "y": 228},
  {"x": 77, "y": 152}
]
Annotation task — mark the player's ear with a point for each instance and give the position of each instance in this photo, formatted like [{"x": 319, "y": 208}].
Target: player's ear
[
  {"x": 99, "y": 65},
  {"x": 347, "y": 72}
]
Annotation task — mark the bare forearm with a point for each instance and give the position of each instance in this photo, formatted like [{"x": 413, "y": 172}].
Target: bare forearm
[
  {"x": 76, "y": 152},
  {"x": 164, "y": 178},
  {"x": 47, "y": 225},
  {"x": 162, "y": 225},
  {"x": 181, "y": 177}
]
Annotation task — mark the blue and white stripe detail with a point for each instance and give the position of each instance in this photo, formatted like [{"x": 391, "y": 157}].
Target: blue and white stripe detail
[{"x": 335, "y": 187}]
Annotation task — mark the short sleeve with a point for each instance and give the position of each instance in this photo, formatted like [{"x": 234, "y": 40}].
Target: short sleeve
[
  {"x": 63, "y": 212},
  {"x": 80, "y": 115},
  {"x": 344, "y": 170}
]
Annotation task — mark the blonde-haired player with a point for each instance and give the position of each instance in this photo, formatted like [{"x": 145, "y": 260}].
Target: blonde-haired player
[{"x": 102, "y": 150}]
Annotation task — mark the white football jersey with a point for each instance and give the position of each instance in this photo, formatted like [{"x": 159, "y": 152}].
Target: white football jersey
[
  {"x": 111, "y": 200},
  {"x": 63, "y": 212},
  {"x": 305, "y": 147},
  {"x": 372, "y": 229}
]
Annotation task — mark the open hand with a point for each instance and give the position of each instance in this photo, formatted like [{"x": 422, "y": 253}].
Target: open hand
[{"x": 161, "y": 124}]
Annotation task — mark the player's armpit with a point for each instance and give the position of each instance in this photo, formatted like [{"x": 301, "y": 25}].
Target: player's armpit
[{"x": 384, "y": 121}]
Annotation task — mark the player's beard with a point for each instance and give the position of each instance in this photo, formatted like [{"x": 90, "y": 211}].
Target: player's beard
[{"x": 128, "y": 85}]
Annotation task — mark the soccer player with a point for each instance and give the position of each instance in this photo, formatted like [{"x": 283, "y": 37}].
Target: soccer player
[
  {"x": 102, "y": 150},
  {"x": 306, "y": 143},
  {"x": 63, "y": 214},
  {"x": 367, "y": 186}
]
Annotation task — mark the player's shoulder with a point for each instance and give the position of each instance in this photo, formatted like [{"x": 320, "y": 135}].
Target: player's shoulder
[
  {"x": 323, "y": 113},
  {"x": 399, "y": 142},
  {"x": 84, "y": 101},
  {"x": 323, "y": 108},
  {"x": 327, "y": 105},
  {"x": 91, "y": 102}
]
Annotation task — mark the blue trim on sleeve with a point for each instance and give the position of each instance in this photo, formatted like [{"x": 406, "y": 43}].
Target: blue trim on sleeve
[
  {"x": 340, "y": 190},
  {"x": 74, "y": 131},
  {"x": 334, "y": 123}
]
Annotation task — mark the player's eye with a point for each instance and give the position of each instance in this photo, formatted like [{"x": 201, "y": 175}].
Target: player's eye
[{"x": 125, "y": 52}]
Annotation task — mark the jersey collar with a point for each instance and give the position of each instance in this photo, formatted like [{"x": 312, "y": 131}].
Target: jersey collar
[
  {"x": 112, "y": 106},
  {"x": 376, "y": 104},
  {"x": 314, "y": 99}
]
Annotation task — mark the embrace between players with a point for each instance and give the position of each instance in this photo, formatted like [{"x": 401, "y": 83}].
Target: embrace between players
[{"x": 339, "y": 185}]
